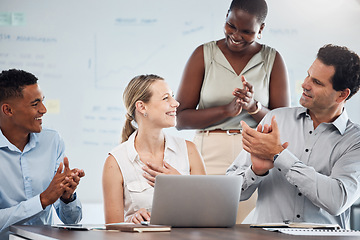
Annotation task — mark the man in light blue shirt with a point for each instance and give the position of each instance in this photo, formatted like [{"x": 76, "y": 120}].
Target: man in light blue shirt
[
  {"x": 305, "y": 161},
  {"x": 34, "y": 172}
]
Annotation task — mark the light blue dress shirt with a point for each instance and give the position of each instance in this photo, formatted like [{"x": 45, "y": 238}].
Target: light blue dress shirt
[
  {"x": 24, "y": 175},
  {"x": 316, "y": 179}
]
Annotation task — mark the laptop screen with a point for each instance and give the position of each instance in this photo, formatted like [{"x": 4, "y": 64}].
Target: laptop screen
[{"x": 196, "y": 200}]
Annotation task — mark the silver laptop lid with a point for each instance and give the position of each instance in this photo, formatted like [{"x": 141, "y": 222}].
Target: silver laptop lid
[{"x": 196, "y": 200}]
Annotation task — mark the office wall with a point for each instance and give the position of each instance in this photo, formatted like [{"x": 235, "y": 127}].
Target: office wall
[{"x": 84, "y": 52}]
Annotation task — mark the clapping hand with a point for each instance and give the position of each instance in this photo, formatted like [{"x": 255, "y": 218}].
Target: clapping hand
[
  {"x": 71, "y": 181},
  {"x": 246, "y": 96},
  {"x": 262, "y": 145},
  {"x": 234, "y": 108},
  {"x": 261, "y": 163},
  {"x": 62, "y": 185}
]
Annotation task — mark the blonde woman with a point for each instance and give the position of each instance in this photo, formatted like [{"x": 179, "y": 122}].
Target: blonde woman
[{"x": 146, "y": 151}]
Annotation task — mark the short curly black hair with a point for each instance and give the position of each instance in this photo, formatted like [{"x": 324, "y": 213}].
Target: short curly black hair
[
  {"x": 347, "y": 67},
  {"x": 255, "y": 7},
  {"x": 13, "y": 81}
]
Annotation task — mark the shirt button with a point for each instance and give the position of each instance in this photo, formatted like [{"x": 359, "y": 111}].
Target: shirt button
[
  {"x": 298, "y": 216},
  {"x": 279, "y": 169},
  {"x": 253, "y": 179},
  {"x": 310, "y": 132},
  {"x": 300, "y": 194},
  {"x": 306, "y": 150}
]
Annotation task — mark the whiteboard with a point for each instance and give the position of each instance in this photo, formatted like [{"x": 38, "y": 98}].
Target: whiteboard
[{"x": 84, "y": 52}]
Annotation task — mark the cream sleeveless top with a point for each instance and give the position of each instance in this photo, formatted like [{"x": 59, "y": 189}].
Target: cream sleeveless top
[
  {"x": 220, "y": 80},
  {"x": 137, "y": 192}
]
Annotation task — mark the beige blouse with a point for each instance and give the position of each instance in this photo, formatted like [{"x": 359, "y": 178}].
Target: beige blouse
[{"x": 220, "y": 80}]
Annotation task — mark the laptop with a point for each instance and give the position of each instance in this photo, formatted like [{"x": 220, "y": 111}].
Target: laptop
[{"x": 196, "y": 200}]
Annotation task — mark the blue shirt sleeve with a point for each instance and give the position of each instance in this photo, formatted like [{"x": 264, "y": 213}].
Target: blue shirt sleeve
[
  {"x": 19, "y": 212},
  {"x": 69, "y": 213}
]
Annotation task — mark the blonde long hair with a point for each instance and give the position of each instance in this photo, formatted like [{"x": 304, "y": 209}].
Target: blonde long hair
[{"x": 138, "y": 89}]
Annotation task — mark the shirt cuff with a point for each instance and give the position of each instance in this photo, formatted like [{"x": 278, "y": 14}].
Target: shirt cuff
[
  {"x": 34, "y": 205},
  {"x": 251, "y": 178},
  {"x": 285, "y": 161},
  {"x": 71, "y": 204}
]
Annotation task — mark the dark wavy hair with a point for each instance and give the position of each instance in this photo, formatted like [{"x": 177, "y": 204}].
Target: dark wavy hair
[
  {"x": 255, "y": 7},
  {"x": 347, "y": 67},
  {"x": 13, "y": 81}
]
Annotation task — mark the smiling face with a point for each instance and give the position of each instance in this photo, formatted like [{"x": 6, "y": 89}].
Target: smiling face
[
  {"x": 241, "y": 29},
  {"x": 27, "y": 112},
  {"x": 319, "y": 96},
  {"x": 161, "y": 109}
]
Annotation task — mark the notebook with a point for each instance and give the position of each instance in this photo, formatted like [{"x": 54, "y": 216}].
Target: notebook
[
  {"x": 317, "y": 232},
  {"x": 131, "y": 227},
  {"x": 305, "y": 225},
  {"x": 196, "y": 201}
]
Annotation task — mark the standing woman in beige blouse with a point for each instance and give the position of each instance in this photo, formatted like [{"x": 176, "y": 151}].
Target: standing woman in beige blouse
[
  {"x": 146, "y": 151},
  {"x": 229, "y": 80}
]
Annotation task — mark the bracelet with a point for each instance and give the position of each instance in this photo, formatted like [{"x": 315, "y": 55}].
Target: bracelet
[{"x": 258, "y": 105}]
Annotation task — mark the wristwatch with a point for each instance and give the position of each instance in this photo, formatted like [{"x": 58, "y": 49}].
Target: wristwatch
[
  {"x": 275, "y": 156},
  {"x": 72, "y": 198}
]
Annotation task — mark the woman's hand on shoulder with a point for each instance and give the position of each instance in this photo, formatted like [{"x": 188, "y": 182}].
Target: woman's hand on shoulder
[
  {"x": 151, "y": 171},
  {"x": 141, "y": 215}
]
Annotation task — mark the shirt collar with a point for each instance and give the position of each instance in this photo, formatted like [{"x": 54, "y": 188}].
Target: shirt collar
[
  {"x": 220, "y": 58},
  {"x": 132, "y": 154},
  {"x": 32, "y": 142},
  {"x": 301, "y": 111},
  {"x": 340, "y": 122},
  {"x": 4, "y": 142},
  {"x": 170, "y": 143}
]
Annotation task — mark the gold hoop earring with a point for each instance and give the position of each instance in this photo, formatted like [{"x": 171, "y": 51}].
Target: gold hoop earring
[{"x": 259, "y": 36}]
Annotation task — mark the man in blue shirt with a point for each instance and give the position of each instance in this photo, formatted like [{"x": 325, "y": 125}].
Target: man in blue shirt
[
  {"x": 34, "y": 172},
  {"x": 304, "y": 161}
]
